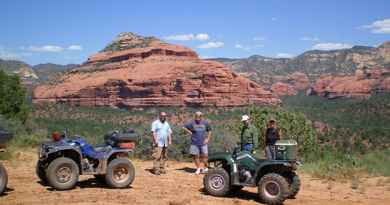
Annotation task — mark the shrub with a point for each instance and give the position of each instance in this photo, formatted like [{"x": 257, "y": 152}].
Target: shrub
[{"x": 12, "y": 97}]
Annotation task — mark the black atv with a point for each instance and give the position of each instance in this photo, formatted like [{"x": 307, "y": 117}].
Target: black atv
[{"x": 276, "y": 179}]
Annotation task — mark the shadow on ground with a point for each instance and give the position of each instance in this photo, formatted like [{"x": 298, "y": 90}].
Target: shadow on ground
[
  {"x": 242, "y": 194},
  {"x": 187, "y": 170},
  {"x": 88, "y": 184}
]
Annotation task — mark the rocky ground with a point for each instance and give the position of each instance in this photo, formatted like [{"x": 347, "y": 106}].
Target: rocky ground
[{"x": 178, "y": 187}]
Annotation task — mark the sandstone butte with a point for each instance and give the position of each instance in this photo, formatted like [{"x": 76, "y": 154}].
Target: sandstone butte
[
  {"x": 360, "y": 85},
  {"x": 136, "y": 71}
]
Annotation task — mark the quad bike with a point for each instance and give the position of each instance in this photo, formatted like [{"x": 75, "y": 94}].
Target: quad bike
[
  {"x": 276, "y": 179},
  {"x": 4, "y": 137},
  {"x": 3, "y": 177},
  {"x": 62, "y": 160}
]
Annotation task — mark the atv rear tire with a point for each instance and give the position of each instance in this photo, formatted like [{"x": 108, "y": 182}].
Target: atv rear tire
[
  {"x": 120, "y": 173},
  {"x": 62, "y": 173},
  {"x": 3, "y": 179},
  {"x": 294, "y": 184},
  {"x": 217, "y": 182},
  {"x": 40, "y": 171},
  {"x": 273, "y": 189}
]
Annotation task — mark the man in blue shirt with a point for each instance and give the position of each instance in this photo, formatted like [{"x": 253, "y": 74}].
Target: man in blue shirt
[
  {"x": 200, "y": 132},
  {"x": 162, "y": 137}
]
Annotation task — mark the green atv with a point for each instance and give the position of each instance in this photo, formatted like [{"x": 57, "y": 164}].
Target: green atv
[{"x": 276, "y": 179}]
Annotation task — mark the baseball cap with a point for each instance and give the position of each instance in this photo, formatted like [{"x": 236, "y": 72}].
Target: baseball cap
[{"x": 245, "y": 118}]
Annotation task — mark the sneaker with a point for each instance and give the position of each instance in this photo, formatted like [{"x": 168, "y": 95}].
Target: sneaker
[
  {"x": 163, "y": 171},
  {"x": 156, "y": 172},
  {"x": 205, "y": 170},
  {"x": 198, "y": 171}
]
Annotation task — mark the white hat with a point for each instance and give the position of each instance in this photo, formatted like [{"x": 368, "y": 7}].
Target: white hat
[{"x": 245, "y": 118}]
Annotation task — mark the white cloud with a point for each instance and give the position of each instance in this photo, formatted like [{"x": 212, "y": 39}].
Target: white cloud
[
  {"x": 46, "y": 48},
  {"x": 284, "y": 55},
  {"x": 309, "y": 38},
  {"x": 380, "y": 26},
  {"x": 202, "y": 37},
  {"x": 9, "y": 55},
  {"x": 239, "y": 46},
  {"x": 216, "y": 44},
  {"x": 331, "y": 46},
  {"x": 75, "y": 47},
  {"x": 188, "y": 37},
  {"x": 259, "y": 38}
]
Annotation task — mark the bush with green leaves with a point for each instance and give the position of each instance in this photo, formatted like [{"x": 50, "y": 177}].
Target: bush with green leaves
[
  {"x": 13, "y": 103},
  {"x": 292, "y": 126}
]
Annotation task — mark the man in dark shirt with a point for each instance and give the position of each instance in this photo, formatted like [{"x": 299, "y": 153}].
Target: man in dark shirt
[
  {"x": 200, "y": 132},
  {"x": 272, "y": 134}
]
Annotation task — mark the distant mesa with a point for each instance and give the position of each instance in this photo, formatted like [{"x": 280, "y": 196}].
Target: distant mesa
[
  {"x": 136, "y": 71},
  {"x": 331, "y": 74}
]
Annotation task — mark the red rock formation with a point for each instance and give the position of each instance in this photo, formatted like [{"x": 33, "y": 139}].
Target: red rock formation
[
  {"x": 283, "y": 89},
  {"x": 151, "y": 73},
  {"x": 299, "y": 80},
  {"x": 360, "y": 85}
]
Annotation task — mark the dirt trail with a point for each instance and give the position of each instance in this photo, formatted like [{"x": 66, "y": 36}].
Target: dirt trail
[{"x": 178, "y": 187}]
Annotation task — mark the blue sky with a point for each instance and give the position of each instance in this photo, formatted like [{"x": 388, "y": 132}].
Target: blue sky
[{"x": 69, "y": 31}]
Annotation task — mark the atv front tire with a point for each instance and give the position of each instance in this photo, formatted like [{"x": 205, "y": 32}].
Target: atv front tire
[
  {"x": 40, "y": 172},
  {"x": 217, "y": 182},
  {"x": 273, "y": 189},
  {"x": 120, "y": 173},
  {"x": 294, "y": 184},
  {"x": 3, "y": 179},
  {"x": 62, "y": 173}
]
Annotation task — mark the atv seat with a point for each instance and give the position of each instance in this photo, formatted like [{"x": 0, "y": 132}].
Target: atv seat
[{"x": 89, "y": 151}]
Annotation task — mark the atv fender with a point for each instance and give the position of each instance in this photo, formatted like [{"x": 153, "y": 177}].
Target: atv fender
[
  {"x": 275, "y": 166},
  {"x": 223, "y": 156}
]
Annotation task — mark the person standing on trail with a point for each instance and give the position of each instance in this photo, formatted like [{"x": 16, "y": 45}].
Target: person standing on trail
[
  {"x": 249, "y": 135},
  {"x": 272, "y": 134},
  {"x": 162, "y": 137},
  {"x": 200, "y": 132}
]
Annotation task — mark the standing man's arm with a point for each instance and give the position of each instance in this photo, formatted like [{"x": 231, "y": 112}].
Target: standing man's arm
[
  {"x": 187, "y": 128},
  {"x": 279, "y": 133},
  {"x": 208, "y": 130},
  {"x": 170, "y": 135},
  {"x": 154, "y": 134}
]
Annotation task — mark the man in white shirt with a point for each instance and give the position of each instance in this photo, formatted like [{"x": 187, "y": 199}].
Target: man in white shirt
[{"x": 162, "y": 137}]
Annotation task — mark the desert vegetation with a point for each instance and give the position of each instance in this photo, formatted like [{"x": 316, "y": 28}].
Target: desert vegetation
[{"x": 352, "y": 144}]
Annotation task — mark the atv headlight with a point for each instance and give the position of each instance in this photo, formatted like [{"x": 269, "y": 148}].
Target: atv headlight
[{"x": 281, "y": 148}]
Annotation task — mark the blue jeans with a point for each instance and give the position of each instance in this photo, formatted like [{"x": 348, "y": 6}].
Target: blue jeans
[
  {"x": 270, "y": 152},
  {"x": 247, "y": 147}
]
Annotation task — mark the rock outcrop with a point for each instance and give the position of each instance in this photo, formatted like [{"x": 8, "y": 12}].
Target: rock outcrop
[
  {"x": 136, "y": 71},
  {"x": 360, "y": 85},
  {"x": 283, "y": 89},
  {"x": 300, "y": 72}
]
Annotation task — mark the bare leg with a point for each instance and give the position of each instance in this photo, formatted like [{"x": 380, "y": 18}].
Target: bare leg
[
  {"x": 205, "y": 160},
  {"x": 197, "y": 161}
]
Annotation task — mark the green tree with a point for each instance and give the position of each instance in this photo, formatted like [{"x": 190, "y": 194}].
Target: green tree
[
  {"x": 13, "y": 103},
  {"x": 292, "y": 125}
]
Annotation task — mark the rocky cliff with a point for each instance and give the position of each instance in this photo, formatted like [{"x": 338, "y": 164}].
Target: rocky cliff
[
  {"x": 136, "y": 71},
  {"x": 360, "y": 85},
  {"x": 287, "y": 76}
]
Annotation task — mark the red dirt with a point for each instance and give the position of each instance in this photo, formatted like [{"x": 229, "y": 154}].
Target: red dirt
[{"x": 178, "y": 187}]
